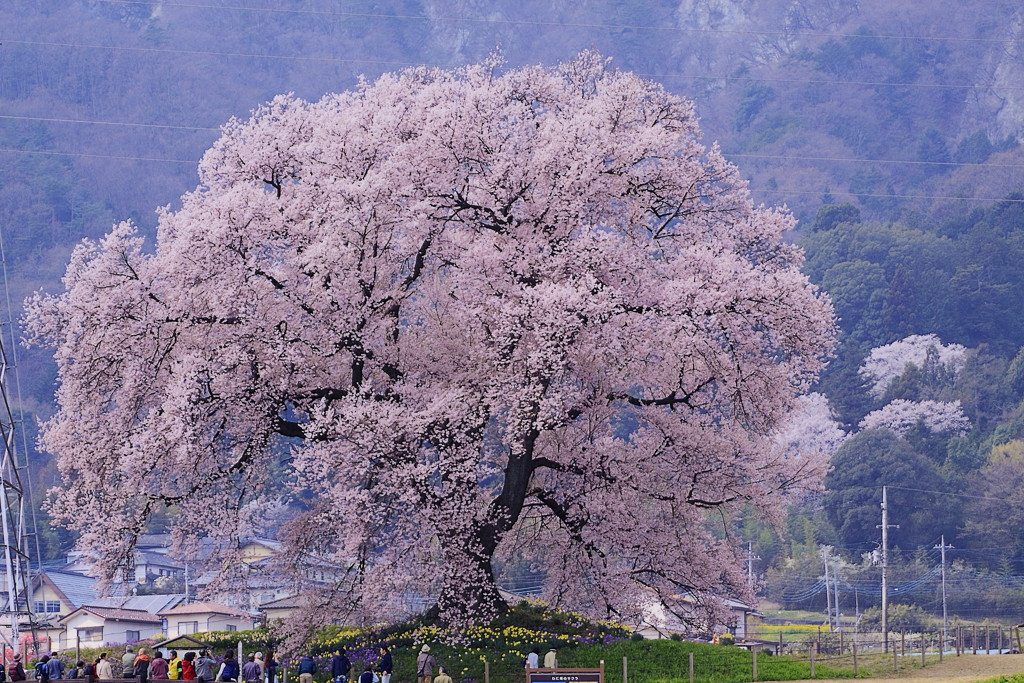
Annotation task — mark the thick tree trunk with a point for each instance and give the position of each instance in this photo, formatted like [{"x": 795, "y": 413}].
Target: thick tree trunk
[{"x": 469, "y": 588}]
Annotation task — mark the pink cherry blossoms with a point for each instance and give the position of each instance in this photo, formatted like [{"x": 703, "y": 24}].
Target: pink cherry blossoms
[
  {"x": 885, "y": 364},
  {"x": 900, "y": 416},
  {"x": 462, "y": 323}
]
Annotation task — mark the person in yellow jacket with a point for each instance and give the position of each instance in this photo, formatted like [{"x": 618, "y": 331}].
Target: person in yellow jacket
[
  {"x": 442, "y": 676},
  {"x": 174, "y": 666},
  {"x": 551, "y": 659}
]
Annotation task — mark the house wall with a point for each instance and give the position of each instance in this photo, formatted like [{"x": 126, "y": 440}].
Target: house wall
[
  {"x": 206, "y": 621},
  {"x": 88, "y": 626},
  {"x": 45, "y": 594},
  {"x": 251, "y": 552},
  {"x": 117, "y": 631},
  {"x": 278, "y": 613}
]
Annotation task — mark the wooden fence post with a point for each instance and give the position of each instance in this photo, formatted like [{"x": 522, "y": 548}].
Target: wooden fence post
[
  {"x": 811, "y": 651},
  {"x": 1019, "y": 648},
  {"x": 895, "y": 654},
  {"x": 625, "y": 671},
  {"x": 923, "y": 648},
  {"x": 974, "y": 639},
  {"x": 942, "y": 646},
  {"x": 988, "y": 638},
  {"x": 855, "y": 659},
  {"x": 487, "y": 671},
  {"x": 753, "y": 660},
  {"x": 780, "y": 642},
  {"x": 691, "y": 667}
]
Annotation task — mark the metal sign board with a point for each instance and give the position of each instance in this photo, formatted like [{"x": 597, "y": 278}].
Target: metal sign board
[{"x": 565, "y": 675}]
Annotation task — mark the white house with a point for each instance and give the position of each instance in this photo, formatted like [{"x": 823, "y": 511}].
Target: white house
[
  {"x": 92, "y": 626},
  {"x": 199, "y": 617},
  {"x": 659, "y": 622}
]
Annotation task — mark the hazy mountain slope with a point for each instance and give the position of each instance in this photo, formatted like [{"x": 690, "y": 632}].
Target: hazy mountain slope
[{"x": 106, "y": 105}]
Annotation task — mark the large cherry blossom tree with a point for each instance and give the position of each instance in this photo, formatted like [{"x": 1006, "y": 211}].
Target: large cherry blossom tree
[{"x": 466, "y": 318}]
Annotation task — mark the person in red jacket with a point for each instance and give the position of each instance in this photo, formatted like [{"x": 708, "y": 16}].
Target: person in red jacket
[{"x": 188, "y": 667}]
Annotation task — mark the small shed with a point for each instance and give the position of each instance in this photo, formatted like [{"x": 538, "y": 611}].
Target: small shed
[{"x": 183, "y": 644}]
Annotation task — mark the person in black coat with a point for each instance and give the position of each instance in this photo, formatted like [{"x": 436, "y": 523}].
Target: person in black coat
[
  {"x": 340, "y": 667},
  {"x": 385, "y": 665}
]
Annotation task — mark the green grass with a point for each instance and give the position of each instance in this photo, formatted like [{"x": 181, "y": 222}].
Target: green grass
[
  {"x": 580, "y": 643},
  {"x": 651, "y": 661}
]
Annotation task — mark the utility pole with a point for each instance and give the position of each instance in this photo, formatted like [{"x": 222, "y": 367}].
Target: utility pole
[
  {"x": 942, "y": 547},
  {"x": 828, "y": 593},
  {"x": 885, "y": 565},
  {"x": 835, "y": 600},
  {"x": 750, "y": 564}
]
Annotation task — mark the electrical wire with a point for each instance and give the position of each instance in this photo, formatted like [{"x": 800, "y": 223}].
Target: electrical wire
[
  {"x": 556, "y": 24},
  {"x": 657, "y": 76},
  {"x": 738, "y": 155},
  {"x": 99, "y": 122}
]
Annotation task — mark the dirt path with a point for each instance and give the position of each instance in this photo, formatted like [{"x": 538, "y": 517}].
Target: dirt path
[{"x": 963, "y": 669}]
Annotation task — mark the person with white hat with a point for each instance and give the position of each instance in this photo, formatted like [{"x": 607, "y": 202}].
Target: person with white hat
[{"x": 425, "y": 664}]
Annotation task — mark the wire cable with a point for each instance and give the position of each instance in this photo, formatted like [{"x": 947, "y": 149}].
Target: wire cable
[
  {"x": 556, "y": 24},
  {"x": 657, "y": 76}
]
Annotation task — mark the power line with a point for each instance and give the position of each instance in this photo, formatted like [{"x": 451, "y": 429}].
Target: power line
[
  {"x": 248, "y": 55},
  {"x": 97, "y": 156},
  {"x": 756, "y": 190},
  {"x": 948, "y": 493},
  {"x": 106, "y": 123},
  {"x": 656, "y": 76},
  {"x": 739, "y": 155},
  {"x": 873, "y": 161},
  {"x": 878, "y": 195},
  {"x": 558, "y": 24}
]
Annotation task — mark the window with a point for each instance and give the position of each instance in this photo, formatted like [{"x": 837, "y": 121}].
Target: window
[
  {"x": 232, "y": 627},
  {"x": 94, "y": 634},
  {"x": 48, "y": 606},
  {"x": 132, "y": 636},
  {"x": 187, "y": 627}
]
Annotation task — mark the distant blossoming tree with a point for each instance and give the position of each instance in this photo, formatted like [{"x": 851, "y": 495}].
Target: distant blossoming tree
[
  {"x": 900, "y": 416},
  {"x": 885, "y": 364},
  {"x": 811, "y": 432},
  {"x": 464, "y": 317}
]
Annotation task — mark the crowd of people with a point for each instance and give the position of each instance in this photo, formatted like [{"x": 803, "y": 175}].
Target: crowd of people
[
  {"x": 340, "y": 668},
  {"x": 202, "y": 668},
  {"x": 143, "y": 667}
]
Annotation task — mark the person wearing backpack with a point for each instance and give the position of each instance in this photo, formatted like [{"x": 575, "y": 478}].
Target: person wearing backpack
[
  {"x": 42, "y": 674},
  {"x": 15, "y": 671},
  {"x": 228, "y": 668}
]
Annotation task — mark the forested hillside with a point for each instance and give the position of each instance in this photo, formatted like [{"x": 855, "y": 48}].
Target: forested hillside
[{"x": 892, "y": 130}]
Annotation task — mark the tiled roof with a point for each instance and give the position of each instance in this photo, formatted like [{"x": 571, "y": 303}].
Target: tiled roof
[
  {"x": 282, "y": 603},
  {"x": 139, "y": 616},
  {"x": 204, "y": 608},
  {"x": 79, "y": 589},
  {"x": 150, "y": 603}
]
